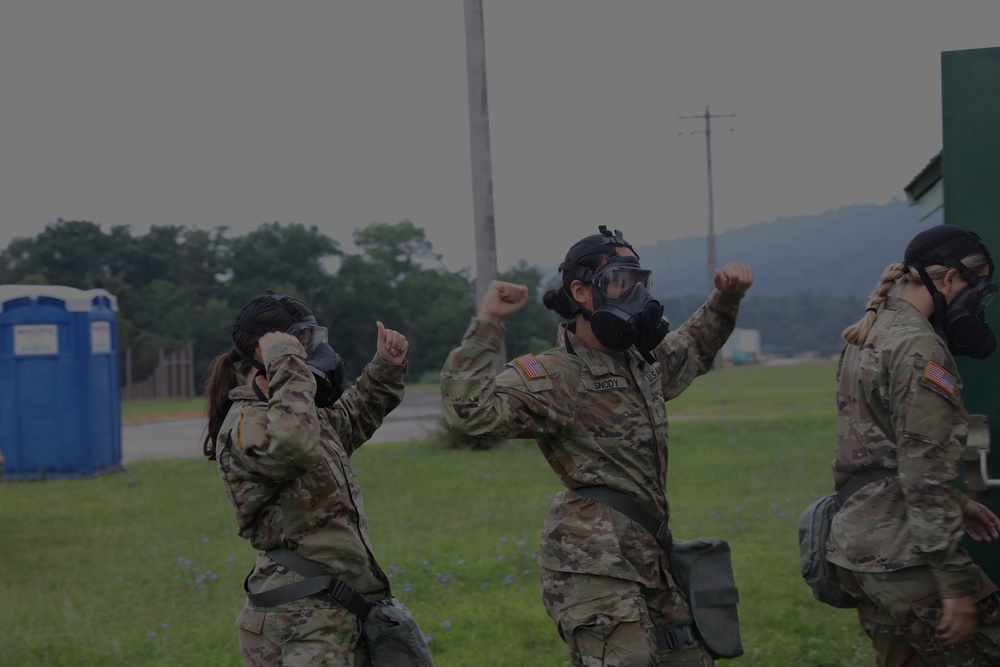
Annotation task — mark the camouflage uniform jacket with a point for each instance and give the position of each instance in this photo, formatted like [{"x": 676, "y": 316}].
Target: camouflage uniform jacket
[
  {"x": 599, "y": 419},
  {"x": 285, "y": 468},
  {"x": 899, "y": 401}
]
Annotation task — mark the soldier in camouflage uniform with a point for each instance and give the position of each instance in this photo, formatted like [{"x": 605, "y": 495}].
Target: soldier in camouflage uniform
[
  {"x": 598, "y": 416},
  {"x": 920, "y": 597},
  {"x": 284, "y": 462}
]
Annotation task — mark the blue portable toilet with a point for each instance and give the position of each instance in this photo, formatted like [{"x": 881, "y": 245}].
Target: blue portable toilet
[{"x": 60, "y": 400}]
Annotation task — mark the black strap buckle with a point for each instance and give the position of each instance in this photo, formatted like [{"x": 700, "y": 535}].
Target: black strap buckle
[
  {"x": 348, "y": 597},
  {"x": 665, "y": 537},
  {"x": 674, "y": 638}
]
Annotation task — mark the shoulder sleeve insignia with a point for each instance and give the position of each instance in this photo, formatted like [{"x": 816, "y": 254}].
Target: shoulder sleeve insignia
[
  {"x": 531, "y": 366},
  {"x": 939, "y": 376}
]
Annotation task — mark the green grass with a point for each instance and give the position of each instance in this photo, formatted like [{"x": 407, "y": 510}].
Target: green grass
[
  {"x": 177, "y": 408},
  {"x": 174, "y": 408},
  {"x": 144, "y": 567}
]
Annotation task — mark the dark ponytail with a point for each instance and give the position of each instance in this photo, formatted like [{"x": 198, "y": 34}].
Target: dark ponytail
[
  {"x": 221, "y": 378},
  {"x": 561, "y": 299},
  {"x": 263, "y": 313}
]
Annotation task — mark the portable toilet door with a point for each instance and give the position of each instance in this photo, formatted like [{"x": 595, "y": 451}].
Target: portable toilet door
[{"x": 60, "y": 405}]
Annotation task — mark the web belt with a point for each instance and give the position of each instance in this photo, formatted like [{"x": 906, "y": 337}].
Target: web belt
[
  {"x": 621, "y": 502},
  {"x": 667, "y": 640},
  {"x": 317, "y": 580},
  {"x": 864, "y": 477}
]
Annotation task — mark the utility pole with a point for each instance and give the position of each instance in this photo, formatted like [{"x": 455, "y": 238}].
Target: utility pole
[
  {"x": 482, "y": 169},
  {"x": 711, "y": 213}
]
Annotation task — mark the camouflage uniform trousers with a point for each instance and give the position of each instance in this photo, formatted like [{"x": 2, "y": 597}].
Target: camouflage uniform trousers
[
  {"x": 898, "y": 611},
  {"x": 609, "y": 622},
  {"x": 301, "y": 638}
]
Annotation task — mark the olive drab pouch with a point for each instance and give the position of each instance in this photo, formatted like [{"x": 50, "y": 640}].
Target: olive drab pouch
[
  {"x": 814, "y": 533},
  {"x": 704, "y": 572},
  {"x": 819, "y": 573},
  {"x": 394, "y": 639}
]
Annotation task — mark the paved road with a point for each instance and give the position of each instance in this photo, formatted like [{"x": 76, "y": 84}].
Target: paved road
[{"x": 416, "y": 417}]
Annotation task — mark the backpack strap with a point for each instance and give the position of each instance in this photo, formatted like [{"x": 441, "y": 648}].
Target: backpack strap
[
  {"x": 863, "y": 478},
  {"x": 317, "y": 580},
  {"x": 619, "y": 501}
]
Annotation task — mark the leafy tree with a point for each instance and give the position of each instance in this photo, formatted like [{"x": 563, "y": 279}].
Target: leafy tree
[
  {"x": 73, "y": 253},
  {"x": 397, "y": 250},
  {"x": 444, "y": 308},
  {"x": 209, "y": 327},
  {"x": 293, "y": 257},
  {"x": 533, "y": 328},
  {"x": 176, "y": 284},
  {"x": 399, "y": 280}
]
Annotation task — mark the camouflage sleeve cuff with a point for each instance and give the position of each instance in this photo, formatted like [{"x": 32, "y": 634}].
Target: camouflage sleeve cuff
[
  {"x": 282, "y": 348},
  {"x": 724, "y": 302},
  {"x": 486, "y": 332},
  {"x": 956, "y": 585},
  {"x": 955, "y": 574},
  {"x": 383, "y": 371}
]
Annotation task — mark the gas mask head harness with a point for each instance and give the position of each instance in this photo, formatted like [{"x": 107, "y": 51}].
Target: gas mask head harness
[
  {"x": 321, "y": 359},
  {"x": 961, "y": 323},
  {"x": 625, "y": 314}
]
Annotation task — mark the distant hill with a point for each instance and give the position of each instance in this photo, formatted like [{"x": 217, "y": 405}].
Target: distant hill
[
  {"x": 812, "y": 273},
  {"x": 840, "y": 252}
]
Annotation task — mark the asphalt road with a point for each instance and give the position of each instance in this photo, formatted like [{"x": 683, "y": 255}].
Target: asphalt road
[{"x": 416, "y": 417}]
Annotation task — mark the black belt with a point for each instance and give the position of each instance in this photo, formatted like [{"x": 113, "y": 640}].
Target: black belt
[
  {"x": 863, "y": 478},
  {"x": 317, "y": 580},
  {"x": 621, "y": 502},
  {"x": 675, "y": 637}
]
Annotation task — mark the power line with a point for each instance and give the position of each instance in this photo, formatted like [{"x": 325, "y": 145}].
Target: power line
[{"x": 711, "y": 212}]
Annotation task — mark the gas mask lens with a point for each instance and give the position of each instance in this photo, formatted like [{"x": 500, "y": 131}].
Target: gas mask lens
[
  {"x": 983, "y": 288},
  {"x": 987, "y": 291},
  {"x": 309, "y": 333},
  {"x": 615, "y": 281}
]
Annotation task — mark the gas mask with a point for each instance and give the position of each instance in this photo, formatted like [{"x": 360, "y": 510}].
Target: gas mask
[
  {"x": 625, "y": 314},
  {"x": 325, "y": 364},
  {"x": 961, "y": 323}
]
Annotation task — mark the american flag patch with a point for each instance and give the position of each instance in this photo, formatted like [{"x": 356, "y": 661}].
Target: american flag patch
[
  {"x": 531, "y": 366},
  {"x": 940, "y": 377}
]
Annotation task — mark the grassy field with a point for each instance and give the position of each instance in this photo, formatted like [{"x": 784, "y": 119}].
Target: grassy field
[
  {"x": 143, "y": 567},
  {"x": 147, "y": 410}
]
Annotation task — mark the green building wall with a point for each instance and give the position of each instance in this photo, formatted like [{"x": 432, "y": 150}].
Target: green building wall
[{"x": 970, "y": 94}]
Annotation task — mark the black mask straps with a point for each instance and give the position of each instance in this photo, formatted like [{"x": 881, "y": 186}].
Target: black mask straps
[
  {"x": 962, "y": 323},
  {"x": 237, "y": 355}
]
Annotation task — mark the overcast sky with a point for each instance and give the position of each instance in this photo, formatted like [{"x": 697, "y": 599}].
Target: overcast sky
[{"x": 338, "y": 114}]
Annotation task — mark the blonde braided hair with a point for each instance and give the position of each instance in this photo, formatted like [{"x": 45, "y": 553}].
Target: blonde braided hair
[{"x": 894, "y": 275}]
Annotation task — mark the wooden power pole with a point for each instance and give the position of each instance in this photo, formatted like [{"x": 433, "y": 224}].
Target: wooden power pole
[
  {"x": 479, "y": 141},
  {"x": 711, "y": 212}
]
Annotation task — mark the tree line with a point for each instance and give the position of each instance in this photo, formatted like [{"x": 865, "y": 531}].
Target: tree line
[{"x": 176, "y": 284}]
